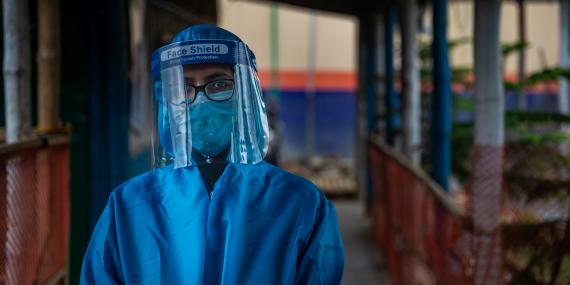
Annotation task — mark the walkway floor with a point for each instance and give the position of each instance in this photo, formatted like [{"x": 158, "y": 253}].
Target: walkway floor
[{"x": 363, "y": 264}]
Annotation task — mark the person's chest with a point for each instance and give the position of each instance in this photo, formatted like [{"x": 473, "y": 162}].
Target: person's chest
[{"x": 239, "y": 234}]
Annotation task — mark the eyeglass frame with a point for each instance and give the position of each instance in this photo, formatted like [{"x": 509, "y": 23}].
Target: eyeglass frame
[{"x": 202, "y": 87}]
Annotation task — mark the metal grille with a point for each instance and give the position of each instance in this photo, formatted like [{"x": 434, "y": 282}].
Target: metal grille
[
  {"x": 34, "y": 211},
  {"x": 518, "y": 235},
  {"x": 486, "y": 196},
  {"x": 421, "y": 232}
]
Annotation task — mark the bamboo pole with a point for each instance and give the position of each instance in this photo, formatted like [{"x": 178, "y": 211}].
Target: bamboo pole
[
  {"x": 17, "y": 70},
  {"x": 487, "y": 159},
  {"x": 48, "y": 60},
  {"x": 48, "y": 65},
  {"x": 410, "y": 81}
]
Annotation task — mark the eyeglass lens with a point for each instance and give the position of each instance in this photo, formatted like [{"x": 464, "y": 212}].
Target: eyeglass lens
[{"x": 218, "y": 90}]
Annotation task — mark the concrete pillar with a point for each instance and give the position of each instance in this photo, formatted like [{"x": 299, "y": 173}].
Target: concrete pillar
[
  {"x": 411, "y": 96},
  {"x": 487, "y": 158}
]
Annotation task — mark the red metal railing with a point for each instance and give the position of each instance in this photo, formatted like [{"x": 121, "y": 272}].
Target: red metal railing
[
  {"x": 424, "y": 236},
  {"x": 34, "y": 211}
]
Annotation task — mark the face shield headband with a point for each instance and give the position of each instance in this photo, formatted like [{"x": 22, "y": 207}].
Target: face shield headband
[
  {"x": 202, "y": 51},
  {"x": 223, "y": 120}
]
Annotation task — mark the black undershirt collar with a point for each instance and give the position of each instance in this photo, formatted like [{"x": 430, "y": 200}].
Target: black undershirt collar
[{"x": 211, "y": 168}]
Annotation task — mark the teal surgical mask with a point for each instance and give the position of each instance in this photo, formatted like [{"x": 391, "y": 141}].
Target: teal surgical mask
[{"x": 211, "y": 124}]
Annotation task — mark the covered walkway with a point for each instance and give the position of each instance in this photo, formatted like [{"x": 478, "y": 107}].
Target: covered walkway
[{"x": 407, "y": 222}]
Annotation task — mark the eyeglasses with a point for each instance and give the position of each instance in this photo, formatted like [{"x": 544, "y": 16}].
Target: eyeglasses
[{"x": 217, "y": 90}]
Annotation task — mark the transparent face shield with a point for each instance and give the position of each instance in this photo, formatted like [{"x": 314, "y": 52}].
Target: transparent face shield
[{"x": 208, "y": 105}]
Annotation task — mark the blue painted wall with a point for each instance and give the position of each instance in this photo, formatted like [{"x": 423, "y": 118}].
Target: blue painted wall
[{"x": 335, "y": 118}]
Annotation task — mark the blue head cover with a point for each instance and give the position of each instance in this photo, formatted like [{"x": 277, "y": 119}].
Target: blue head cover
[
  {"x": 201, "y": 43},
  {"x": 204, "y": 32}
]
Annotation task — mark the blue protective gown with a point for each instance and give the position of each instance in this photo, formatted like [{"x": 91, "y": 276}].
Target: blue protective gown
[{"x": 261, "y": 225}]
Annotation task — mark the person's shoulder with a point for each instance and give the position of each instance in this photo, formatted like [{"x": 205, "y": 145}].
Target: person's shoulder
[
  {"x": 296, "y": 192},
  {"x": 138, "y": 190},
  {"x": 134, "y": 182},
  {"x": 291, "y": 185}
]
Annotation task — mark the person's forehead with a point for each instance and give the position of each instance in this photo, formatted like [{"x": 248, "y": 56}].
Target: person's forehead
[
  {"x": 201, "y": 73},
  {"x": 207, "y": 68}
]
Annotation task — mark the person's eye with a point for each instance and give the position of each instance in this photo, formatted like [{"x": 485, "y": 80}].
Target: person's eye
[{"x": 221, "y": 85}]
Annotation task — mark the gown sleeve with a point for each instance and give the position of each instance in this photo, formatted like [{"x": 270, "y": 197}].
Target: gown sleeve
[
  {"x": 101, "y": 264},
  {"x": 322, "y": 261}
]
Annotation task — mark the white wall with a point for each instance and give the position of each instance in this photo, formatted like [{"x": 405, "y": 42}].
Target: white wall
[
  {"x": 542, "y": 23},
  {"x": 336, "y": 34}
]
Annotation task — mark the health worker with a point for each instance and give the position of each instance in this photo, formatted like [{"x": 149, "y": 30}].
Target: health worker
[{"x": 212, "y": 211}]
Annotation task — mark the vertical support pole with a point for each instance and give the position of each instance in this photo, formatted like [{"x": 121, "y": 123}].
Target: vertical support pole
[
  {"x": 48, "y": 65},
  {"x": 370, "y": 73},
  {"x": 410, "y": 81},
  {"x": 274, "y": 48},
  {"x": 392, "y": 118},
  {"x": 376, "y": 99},
  {"x": 75, "y": 107},
  {"x": 273, "y": 98},
  {"x": 563, "y": 100},
  {"x": 48, "y": 62},
  {"x": 360, "y": 162},
  {"x": 441, "y": 98},
  {"x": 380, "y": 76},
  {"x": 369, "y": 69},
  {"x": 310, "y": 91},
  {"x": 521, "y": 96},
  {"x": 487, "y": 159},
  {"x": 108, "y": 98},
  {"x": 564, "y": 89},
  {"x": 20, "y": 248},
  {"x": 140, "y": 115},
  {"x": 17, "y": 70}
]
